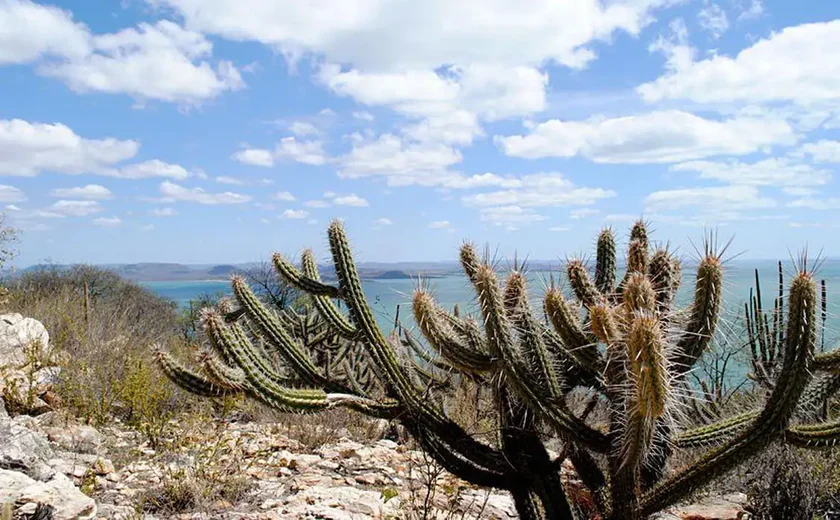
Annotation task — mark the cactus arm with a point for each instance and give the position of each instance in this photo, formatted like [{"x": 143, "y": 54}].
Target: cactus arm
[
  {"x": 666, "y": 275},
  {"x": 443, "y": 338},
  {"x": 271, "y": 329},
  {"x": 828, "y": 362},
  {"x": 584, "y": 288},
  {"x": 814, "y": 436},
  {"x": 187, "y": 379},
  {"x": 531, "y": 342},
  {"x": 501, "y": 344},
  {"x": 299, "y": 280},
  {"x": 703, "y": 319},
  {"x": 578, "y": 346},
  {"x": 715, "y": 433},
  {"x": 605, "y": 262},
  {"x": 793, "y": 378},
  {"x": 325, "y": 306},
  {"x": 221, "y": 373}
]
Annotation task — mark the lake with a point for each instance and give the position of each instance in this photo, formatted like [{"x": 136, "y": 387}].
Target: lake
[{"x": 385, "y": 295}]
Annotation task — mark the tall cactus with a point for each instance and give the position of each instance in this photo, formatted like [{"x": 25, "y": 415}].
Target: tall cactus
[{"x": 626, "y": 343}]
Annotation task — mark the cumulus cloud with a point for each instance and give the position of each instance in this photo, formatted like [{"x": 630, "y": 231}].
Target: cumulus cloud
[
  {"x": 255, "y": 157},
  {"x": 540, "y": 190},
  {"x": 655, "y": 137},
  {"x": 175, "y": 192},
  {"x": 163, "y": 212},
  {"x": 11, "y": 194},
  {"x": 823, "y": 151},
  {"x": 781, "y": 172},
  {"x": 294, "y": 214},
  {"x": 795, "y": 64},
  {"x": 728, "y": 198},
  {"x": 382, "y": 222},
  {"x": 150, "y": 169},
  {"x": 306, "y": 152},
  {"x": 350, "y": 200},
  {"x": 284, "y": 196},
  {"x": 27, "y": 149},
  {"x": 440, "y": 224},
  {"x": 71, "y": 208},
  {"x": 89, "y": 191},
  {"x": 107, "y": 221}
]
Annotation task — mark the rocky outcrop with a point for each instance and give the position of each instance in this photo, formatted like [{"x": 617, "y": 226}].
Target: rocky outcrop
[
  {"x": 59, "y": 494},
  {"x": 26, "y": 371}
]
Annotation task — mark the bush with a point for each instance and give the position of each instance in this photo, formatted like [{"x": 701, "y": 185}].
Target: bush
[
  {"x": 101, "y": 329},
  {"x": 783, "y": 488}
]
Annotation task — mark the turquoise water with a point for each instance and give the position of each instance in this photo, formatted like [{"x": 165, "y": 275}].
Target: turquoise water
[{"x": 385, "y": 295}]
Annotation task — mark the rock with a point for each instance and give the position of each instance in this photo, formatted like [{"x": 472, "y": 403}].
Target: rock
[
  {"x": 22, "y": 340},
  {"x": 81, "y": 438},
  {"x": 20, "y": 391},
  {"x": 67, "y": 501},
  {"x": 726, "y": 507},
  {"x": 21, "y": 449}
]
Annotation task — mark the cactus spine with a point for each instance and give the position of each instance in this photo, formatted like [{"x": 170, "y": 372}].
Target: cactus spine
[{"x": 626, "y": 343}]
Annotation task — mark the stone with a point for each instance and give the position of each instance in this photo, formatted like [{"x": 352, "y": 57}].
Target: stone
[
  {"x": 21, "y": 449},
  {"x": 22, "y": 340},
  {"x": 67, "y": 501},
  {"x": 81, "y": 438}
]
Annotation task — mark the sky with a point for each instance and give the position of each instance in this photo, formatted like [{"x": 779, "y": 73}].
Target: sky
[{"x": 213, "y": 131}]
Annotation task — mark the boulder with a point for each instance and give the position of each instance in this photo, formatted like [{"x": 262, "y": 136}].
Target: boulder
[
  {"x": 80, "y": 438},
  {"x": 59, "y": 493},
  {"x": 22, "y": 340},
  {"x": 23, "y": 450}
]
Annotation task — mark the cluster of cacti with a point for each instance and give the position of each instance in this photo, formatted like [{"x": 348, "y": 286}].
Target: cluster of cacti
[{"x": 623, "y": 340}]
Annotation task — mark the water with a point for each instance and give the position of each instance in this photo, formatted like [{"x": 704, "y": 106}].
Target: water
[{"x": 385, "y": 295}]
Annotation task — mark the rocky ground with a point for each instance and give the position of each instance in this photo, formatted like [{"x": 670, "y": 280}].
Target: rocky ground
[
  {"x": 239, "y": 470},
  {"x": 51, "y": 466}
]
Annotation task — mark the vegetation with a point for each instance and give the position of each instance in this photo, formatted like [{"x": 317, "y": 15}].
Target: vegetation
[{"x": 632, "y": 350}]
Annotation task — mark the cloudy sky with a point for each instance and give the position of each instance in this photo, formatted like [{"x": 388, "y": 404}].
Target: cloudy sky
[{"x": 209, "y": 131}]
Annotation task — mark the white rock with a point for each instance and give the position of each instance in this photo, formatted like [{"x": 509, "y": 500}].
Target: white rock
[
  {"x": 59, "y": 492},
  {"x": 21, "y": 339}
]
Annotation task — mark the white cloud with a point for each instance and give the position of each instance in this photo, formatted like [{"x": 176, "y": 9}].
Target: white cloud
[
  {"x": 440, "y": 224},
  {"x": 559, "y": 228},
  {"x": 350, "y": 200},
  {"x": 582, "y": 213},
  {"x": 513, "y": 214},
  {"x": 795, "y": 64},
  {"x": 294, "y": 214},
  {"x": 662, "y": 136},
  {"x": 29, "y": 31},
  {"x": 90, "y": 191},
  {"x": 316, "y": 204},
  {"x": 150, "y": 169},
  {"x": 541, "y": 190},
  {"x": 728, "y": 198},
  {"x": 107, "y": 221},
  {"x": 774, "y": 171},
  {"x": 284, "y": 196},
  {"x": 303, "y": 129},
  {"x": 161, "y": 61},
  {"x": 401, "y": 163},
  {"x": 27, "y": 149},
  {"x": 255, "y": 157},
  {"x": 750, "y": 9},
  {"x": 175, "y": 192},
  {"x": 452, "y": 127},
  {"x": 222, "y": 179},
  {"x": 824, "y": 151},
  {"x": 382, "y": 222},
  {"x": 713, "y": 19},
  {"x": 816, "y": 203},
  {"x": 11, "y": 194},
  {"x": 420, "y": 34},
  {"x": 71, "y": 208},
  {"x": 363, "y": 115},
  {"x": 306, "y": 152},
  {"x": 163, "y": 212}
]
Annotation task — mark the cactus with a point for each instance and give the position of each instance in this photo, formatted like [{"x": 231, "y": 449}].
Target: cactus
[{"x": 626, "y": 343}]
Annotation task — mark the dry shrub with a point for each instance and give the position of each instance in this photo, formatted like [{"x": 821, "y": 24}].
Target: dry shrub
[
  {"x": 102, "y": 341},
  {"x": 782, "y": 487}
]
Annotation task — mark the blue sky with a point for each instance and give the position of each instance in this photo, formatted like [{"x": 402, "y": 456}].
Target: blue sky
[{"x": 209, "y": 131}]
